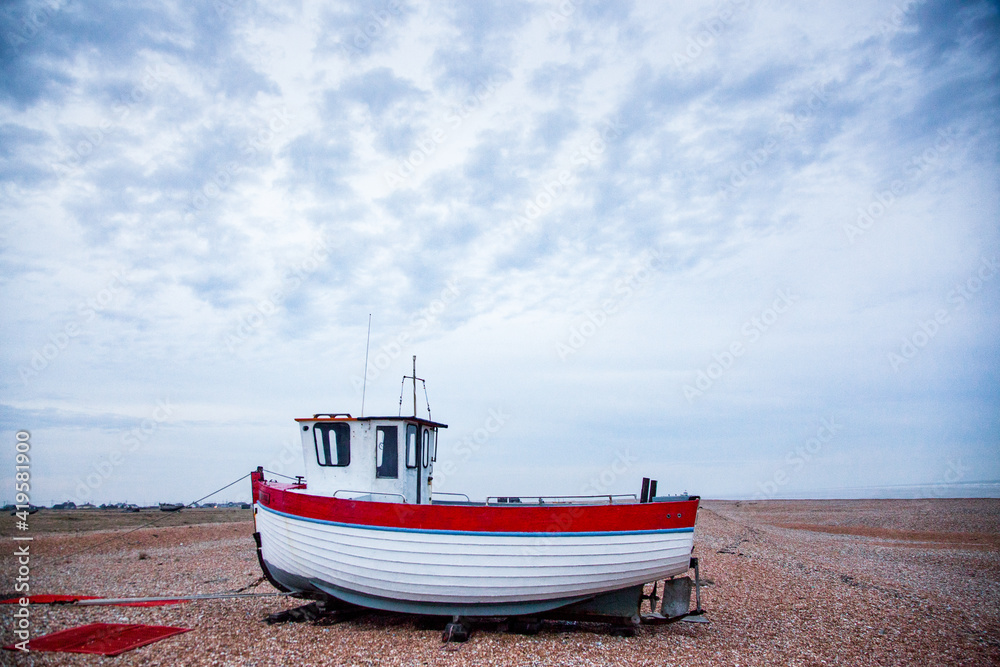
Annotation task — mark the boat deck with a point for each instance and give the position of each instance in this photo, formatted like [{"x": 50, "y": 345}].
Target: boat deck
[{"x": 462, "y": 500}]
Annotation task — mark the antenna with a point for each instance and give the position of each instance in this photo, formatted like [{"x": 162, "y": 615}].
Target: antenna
[
  {"x": 402, "y": 385},
  {"x": 364, "y": 384}
]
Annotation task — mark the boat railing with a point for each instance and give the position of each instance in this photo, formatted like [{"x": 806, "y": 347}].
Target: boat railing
[
  {"x": 372, "y": 494},
  {"x": 611, "y": 498},
  {"x": 448, "y": 493}
]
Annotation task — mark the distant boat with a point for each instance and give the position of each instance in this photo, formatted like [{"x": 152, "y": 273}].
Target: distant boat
[
  {"x": 368, "y": 530},
  {"x": 31, "y": 510},
  {"x": 167, "y": 507}
]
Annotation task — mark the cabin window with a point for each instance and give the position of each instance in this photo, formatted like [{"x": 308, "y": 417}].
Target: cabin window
[
  {"x": 427, "y": 447},
  {"x": 333, "y": 444},
  {"x": 386, "y": 451},
  {"x": 411, "y": 445},
  {"x": 434, "y": 445}
]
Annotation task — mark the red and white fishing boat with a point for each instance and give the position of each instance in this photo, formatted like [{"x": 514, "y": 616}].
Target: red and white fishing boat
[{"x": 369, "y": 530}]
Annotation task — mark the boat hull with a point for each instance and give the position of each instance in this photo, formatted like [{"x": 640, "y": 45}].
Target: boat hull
[{"x": 439, "y": 560}]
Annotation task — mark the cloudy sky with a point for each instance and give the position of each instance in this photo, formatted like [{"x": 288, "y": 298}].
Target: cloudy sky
[{"x": 744, "y": 248}]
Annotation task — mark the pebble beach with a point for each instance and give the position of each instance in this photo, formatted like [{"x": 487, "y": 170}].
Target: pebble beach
[{"x": 851, "y": 582}]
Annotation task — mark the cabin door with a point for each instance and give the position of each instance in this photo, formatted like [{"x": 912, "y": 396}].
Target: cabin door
[
  {"x": 413, "y": 461},
  {"x": 425, "y": 461},
  {"x": 420, "y": 453}
]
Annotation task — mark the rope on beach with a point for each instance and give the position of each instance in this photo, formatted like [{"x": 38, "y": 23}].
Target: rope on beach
[
  {"x": 154, "y": 521},
  {"x": 176, "y": 598},
  {"x": 256, "y": 583}
]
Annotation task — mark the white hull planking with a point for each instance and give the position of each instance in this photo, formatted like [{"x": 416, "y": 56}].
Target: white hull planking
[{"x": 468, "y": 568}]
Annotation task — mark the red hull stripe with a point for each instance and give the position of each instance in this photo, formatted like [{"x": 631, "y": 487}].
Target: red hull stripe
[
  {"x": 478, "y": 532},
  {"x": 532, "y": 519}
]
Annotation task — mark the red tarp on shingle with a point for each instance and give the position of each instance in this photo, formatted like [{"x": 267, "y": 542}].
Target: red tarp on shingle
[{"x": 102, "y": 638}]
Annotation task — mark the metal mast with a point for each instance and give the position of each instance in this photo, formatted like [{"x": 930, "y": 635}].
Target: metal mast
[
  {"x": 402, "y": 388},
  {"x": 364, "y": 385}
]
